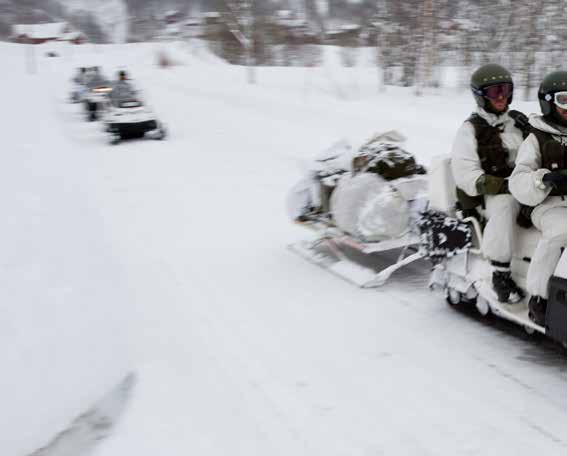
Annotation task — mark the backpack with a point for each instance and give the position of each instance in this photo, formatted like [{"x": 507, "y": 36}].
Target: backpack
[{"x": 385, "y": 158}]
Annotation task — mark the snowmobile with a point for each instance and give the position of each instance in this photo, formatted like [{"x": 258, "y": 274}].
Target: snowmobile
[
  {"x": 452, "y": 241},
  {"x": 127, "y": 117},
  {"x": 359, "y": 204},
  {"x": 96, "y": 95},
  {"x": 79, "y": 85},
  {"x": 77, "y": 92}
]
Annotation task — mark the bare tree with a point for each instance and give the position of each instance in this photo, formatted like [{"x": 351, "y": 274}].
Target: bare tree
[
  {"x": 529, "y": 13},
  {"x": 240, "y": 19},
  {"x": 425, "y": 56},
  {"x": 313, "y": 14},
  {"x": 388, "y": 29}
]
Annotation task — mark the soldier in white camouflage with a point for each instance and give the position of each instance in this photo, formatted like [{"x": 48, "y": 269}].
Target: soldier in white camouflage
[{"x": 483, "y": 156}]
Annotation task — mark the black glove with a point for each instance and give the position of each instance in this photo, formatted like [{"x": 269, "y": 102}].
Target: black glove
[{"x": 554, "y": 179}]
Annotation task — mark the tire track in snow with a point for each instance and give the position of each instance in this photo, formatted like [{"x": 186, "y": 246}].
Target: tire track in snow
[{"x": 252, "y": 383}]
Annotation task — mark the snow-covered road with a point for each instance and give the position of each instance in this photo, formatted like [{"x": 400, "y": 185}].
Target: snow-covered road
[{"x": 242, "y": 348}]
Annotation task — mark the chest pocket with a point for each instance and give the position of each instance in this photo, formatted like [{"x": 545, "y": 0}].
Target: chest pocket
[
  {"x": 553, "y": 155},
  {"x": 491, "y": 151}
]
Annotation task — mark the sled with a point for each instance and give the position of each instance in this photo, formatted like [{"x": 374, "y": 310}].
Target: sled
[
  {"x": 330, "y": 199},
  {"x": 330, "y": 250}
]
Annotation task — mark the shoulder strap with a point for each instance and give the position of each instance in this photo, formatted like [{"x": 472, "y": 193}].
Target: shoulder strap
[
  {"x": 487, "y": 137},
  {"x": 521, "y": 122},
  {"x": 477, "y": 121},
  {"x": 479, "y": 125},
  {"x": 542, "y": 137},
  {"x": 484, "y": 132},
  {"x": 552, "y": 151}
]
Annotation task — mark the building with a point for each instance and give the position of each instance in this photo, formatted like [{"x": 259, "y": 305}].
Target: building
[
  {"x": 212, "y": 18},
  {"x": 173, "y": 17},
  {"x": 193, "y": 27},
  {"x": 44, "y": 33}
]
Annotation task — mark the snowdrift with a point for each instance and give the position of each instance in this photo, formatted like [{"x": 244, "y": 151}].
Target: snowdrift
[{"x": 64, "y": 339}]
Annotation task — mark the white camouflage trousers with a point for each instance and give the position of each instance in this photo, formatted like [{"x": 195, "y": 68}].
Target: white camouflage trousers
[
  {"x": 553, "y": 226},
  {"x": 499, "y": 233}
]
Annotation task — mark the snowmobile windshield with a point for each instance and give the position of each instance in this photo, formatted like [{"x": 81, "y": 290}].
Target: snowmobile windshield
[
  {"x": 124, "y": 96},
  {"x": 123, "y": 91},
  {"x": 97, "y": 81}
]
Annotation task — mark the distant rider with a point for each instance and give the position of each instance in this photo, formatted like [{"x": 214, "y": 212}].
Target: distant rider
[
  {"x": 483, "y": 156},
  {"x": 96, "y": 79},
  {"x": 81, "y": 76},
  {"x": 539, "y": 180},
  {"x": 122, "y": 89}
]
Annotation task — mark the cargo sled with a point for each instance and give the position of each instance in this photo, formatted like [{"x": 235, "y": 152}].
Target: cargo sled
[{"x": 361, "y": 204}]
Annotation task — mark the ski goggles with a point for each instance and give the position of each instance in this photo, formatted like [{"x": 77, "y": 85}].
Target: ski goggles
[
  {"x": 560, "y": 99},
  {"x": 496, "y": 91}
]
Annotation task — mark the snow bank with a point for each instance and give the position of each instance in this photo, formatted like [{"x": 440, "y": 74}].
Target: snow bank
[{"x": 63, "y": 299}]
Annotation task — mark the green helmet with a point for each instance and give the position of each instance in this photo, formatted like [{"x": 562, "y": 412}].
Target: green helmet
[
  {"x": 487, "y": 75},
  {"x": 555, "y": 81}
]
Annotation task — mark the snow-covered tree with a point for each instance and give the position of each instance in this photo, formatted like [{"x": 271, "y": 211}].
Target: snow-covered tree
[
  {"x": 427, "y": 49},
  {"x": 241, "y": 18}
]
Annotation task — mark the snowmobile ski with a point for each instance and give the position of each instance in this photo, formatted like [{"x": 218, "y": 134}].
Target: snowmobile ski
[{"x": 328, "y": 252}]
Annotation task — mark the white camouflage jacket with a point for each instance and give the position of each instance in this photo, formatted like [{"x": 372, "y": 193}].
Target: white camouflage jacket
[
  {"x": 465, "y": 162},
  {"x": 526, "y": 181}
]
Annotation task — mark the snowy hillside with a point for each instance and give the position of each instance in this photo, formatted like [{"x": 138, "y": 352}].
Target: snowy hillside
[
  {"x": 111, "y": 15},
  {"x": 176, "y": 251}
]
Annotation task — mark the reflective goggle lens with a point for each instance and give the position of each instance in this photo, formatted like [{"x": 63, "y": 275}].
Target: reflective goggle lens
[
  {"x": 498, "y": 90},
  {"x": 561, "y": 99}
]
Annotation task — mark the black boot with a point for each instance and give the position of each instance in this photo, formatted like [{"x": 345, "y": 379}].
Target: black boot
[
  {"x": 505, "y": 287},
  {"x": 538, "y": 308}
]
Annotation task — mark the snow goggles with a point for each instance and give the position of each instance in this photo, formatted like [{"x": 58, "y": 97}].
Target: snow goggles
[
  {"x": 496, "y": 91},
  {"x": 560, "y": 99}
]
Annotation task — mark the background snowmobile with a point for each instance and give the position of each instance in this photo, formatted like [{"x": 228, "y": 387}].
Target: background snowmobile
[
  {"x": 364, "y": 202},
  {"x": 96, "y": 94},
  {"x": 460, "y": 270},
  {"x": 127, "y": 117},
  {"x": 77, "y": 91},
  {"x": 78, "y": 86}
]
